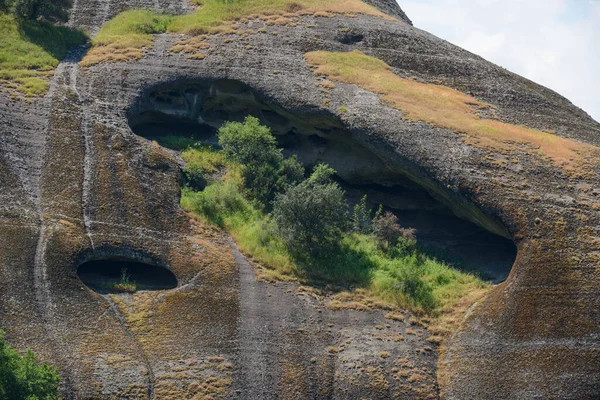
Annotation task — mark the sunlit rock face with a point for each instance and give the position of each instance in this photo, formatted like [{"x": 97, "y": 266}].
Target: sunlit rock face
[{"x": 82, "y": 183}]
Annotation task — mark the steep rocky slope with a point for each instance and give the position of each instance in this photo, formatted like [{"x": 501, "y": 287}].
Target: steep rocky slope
[{"x": 79, "y": 185}]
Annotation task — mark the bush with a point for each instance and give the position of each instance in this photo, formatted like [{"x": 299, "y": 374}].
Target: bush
[
  {"x": 362, "y": 219},
  {"x": 25, "y": 378},
  {"x": 388, "y": 231},
  {"x": 50, "y": 10},
  {"x": 264, "y": 169},
  {"x": 312, "y": 216},
  {"x": 290, "y": 173}
]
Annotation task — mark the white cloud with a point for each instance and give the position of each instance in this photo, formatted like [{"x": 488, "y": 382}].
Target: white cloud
[{"x": 553, "y": 42}]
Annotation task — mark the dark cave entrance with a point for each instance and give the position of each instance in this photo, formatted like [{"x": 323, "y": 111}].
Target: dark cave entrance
[
  {"x": 124, "y": 276},
  {"x": 466, "y": 238}
]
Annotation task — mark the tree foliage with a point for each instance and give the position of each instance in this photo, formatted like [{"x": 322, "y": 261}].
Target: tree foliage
[
  {"x": 50, "y": 10},
  {"x": 22, "y": 377},
  {"x": 264, "y": 170},
  {"x": 312, "y": 216}
]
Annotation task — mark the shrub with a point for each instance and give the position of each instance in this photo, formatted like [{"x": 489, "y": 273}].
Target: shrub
[
  {"x": 312, "y": 216},
  {"x": 248, "y": 142},
  {"x": 362, "y": 219},
  {"x": 291, "y": 173},
  {"x": 254, "y": 147},
  {"x": 22, "y": 377},
  {"x": 264, "y": 170},
  {"x": 51, "y": 10},
  {"x": 388, "y": 231}
]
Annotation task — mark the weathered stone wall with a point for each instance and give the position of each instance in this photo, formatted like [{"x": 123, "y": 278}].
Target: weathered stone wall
[{"x": 75, "y": 178}]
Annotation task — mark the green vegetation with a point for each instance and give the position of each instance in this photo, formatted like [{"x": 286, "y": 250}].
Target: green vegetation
[
  {"x": 448, "y": 108},
  {"x": 22, "y": 377},
  {"x": 367, "y": 253},
  {"x": 263, "y": 168},
  {"x": 123, "y": 285},
  {"x": 125, "y": 37},
  {"x": 49, "y": 10},
  {"x": 30, "y": 50},
  {"x": 312, "y": 216}
]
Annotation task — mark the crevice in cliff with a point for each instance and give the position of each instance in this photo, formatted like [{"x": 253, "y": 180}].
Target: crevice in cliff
[{"x": 455, "y": 229}]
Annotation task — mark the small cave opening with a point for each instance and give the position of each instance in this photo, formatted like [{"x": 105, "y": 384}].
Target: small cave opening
[
  {"x": 117, "y": 275},
  {"x": 350, "y": 38},
  {"x": 462, "y": 236}
]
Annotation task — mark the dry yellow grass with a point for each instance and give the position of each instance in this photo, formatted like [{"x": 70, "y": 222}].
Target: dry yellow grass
[
  {"x": 448, "y": 108},
  {"x": 125, "y": 37}
]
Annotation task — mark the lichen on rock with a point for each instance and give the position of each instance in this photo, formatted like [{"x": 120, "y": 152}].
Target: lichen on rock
[{"x": 78, "y": 183}]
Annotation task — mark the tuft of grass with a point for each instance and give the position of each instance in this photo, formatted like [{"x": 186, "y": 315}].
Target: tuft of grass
[
  {"x": 124, "y": 37},
  {"x": 123, "y": 285},
  {"x": 127, "y": 35},
  {"x": 448, "y": 108},
  {"x": 205, "y": 158},
  {"x": 405, "y": 277},
  {"x": 30, "y": 51},
  {"x": 178, "y": 143}
]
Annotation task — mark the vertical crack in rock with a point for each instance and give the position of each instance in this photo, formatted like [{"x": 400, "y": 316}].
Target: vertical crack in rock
[
  {"x": 40, "y": 276},
  {"x": 140, "y": 348},
  {"x": 87, "y": 178}
]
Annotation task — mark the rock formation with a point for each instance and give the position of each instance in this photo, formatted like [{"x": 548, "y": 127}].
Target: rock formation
[{"x": 79, "y": 185}]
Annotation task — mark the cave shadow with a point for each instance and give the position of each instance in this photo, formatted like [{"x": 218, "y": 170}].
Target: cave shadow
[
  {"x": 124, "y": 276},
  {"x": 56, "y": 40},
  {"x": 180, "y": 114}
]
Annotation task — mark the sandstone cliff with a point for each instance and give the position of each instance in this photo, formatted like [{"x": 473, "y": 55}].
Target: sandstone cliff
[{"x": 79, "y": 185}]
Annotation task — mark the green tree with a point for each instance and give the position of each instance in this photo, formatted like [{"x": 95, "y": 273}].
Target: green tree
[
  {"x": 22, "y": 377},
  {"x": 51, "y": 10},
  {"x": 5, "y": 5},
  {"x": 264, "y": 169},
  {"x": 312, "y": 216}
]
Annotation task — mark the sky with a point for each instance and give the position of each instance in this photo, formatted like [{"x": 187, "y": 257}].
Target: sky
[{"x": 555, "y": 43}]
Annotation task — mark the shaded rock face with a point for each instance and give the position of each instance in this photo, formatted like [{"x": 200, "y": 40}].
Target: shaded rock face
[
  {"x": 79, "y": 186},
  {"x": 198, "y": 109}
]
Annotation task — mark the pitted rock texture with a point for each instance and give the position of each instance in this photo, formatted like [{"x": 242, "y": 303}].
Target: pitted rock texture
[{"x": 78, "y": 184}]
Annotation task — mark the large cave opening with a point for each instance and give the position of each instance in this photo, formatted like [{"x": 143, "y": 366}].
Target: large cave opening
[
  {"x": 125, "y": 276},
  {"x": 455, "y": 231}
]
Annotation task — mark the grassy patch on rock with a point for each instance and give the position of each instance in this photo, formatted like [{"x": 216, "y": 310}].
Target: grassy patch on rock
[
  {"x": 125, "y": 36},
  {"x": 448, "y": 108},
  {"x": 129, "y": 33},
  {"x": 366, "y": 275},
  {"x": 30, "y": 51}
]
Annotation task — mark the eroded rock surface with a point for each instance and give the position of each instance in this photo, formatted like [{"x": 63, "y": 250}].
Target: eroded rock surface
[{"x": 78, "y": 184}]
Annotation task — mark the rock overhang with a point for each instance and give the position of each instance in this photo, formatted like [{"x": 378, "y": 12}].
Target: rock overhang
[{"x": 553, "y": 280}]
